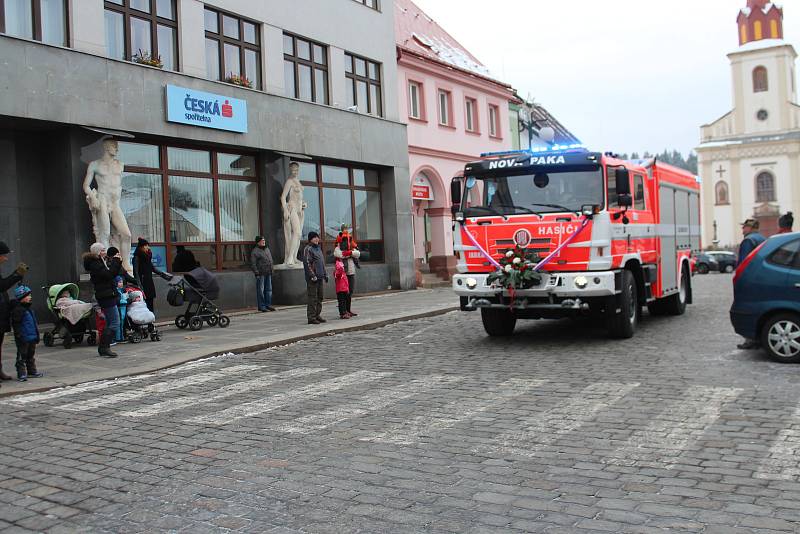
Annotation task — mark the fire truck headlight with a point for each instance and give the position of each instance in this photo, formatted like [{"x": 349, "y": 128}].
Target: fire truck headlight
[
  {"x": 581, "y": 282},
  {"x": 471, "y": 283}
]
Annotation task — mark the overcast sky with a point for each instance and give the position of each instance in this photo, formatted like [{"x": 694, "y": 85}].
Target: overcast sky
[{"x": 623, "y": 75}]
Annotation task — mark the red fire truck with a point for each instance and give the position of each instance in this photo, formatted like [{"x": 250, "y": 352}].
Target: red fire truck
[{"x": 610, "y": 236}]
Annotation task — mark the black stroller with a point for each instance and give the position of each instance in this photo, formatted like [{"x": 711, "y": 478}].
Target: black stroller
[{"x": 198, "y": 288}]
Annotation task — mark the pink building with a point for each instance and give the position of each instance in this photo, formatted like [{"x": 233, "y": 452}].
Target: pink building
[{"x": 455, "y": 111}]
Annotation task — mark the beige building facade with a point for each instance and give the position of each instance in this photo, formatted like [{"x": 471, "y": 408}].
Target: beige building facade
[{"x": 749, "y": 159}]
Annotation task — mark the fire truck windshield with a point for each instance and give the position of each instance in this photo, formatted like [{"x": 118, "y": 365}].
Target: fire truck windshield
[{"x": 540, "y": 192}]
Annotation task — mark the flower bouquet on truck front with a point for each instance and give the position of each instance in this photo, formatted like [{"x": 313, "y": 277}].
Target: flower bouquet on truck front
[{"x": 516, "y": 270}]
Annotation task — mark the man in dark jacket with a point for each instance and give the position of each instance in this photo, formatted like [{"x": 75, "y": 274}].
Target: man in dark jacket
[
  {"x": 314, "y": 266},
  {"x": 143, "y": 271},
  {"x": 261, "y": 263},
  {"x": 26, "y": 334},
  {"x": 103, "y": 270},
  {"x": 7, "y": 283}
]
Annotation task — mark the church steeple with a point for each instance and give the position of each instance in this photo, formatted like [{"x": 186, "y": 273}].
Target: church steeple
[{"x": 761, "y": 19}]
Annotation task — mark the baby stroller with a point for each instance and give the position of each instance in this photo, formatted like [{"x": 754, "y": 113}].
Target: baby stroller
[
  {"x": 198, "y": 288},
  {"x": 139, "y": 323},
  {"x": 64, "y": 329}
]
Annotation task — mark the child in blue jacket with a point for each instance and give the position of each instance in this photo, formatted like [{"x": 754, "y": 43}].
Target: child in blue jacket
[
  {"x": 26, "y": 334},
  {"x": 122, "y": 307}
]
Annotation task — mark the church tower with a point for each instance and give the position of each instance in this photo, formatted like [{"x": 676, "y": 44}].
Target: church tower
[{"x": 749, "y": 159}]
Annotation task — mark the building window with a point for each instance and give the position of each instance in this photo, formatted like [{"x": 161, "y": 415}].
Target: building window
[
  {"x": 721, "y": 194},
  {"x": 336, "y": 195},
  {"x": 363, "y": 84},
  {"x": 233, "y": 49},
  {"x": 369, "y": 3},
  {"x": 143, "y": 31},
  {"x": 494, "y": 117},
  {"x": 41, "y": 20},
  {"x": 758, "y": 32},
  {"x": 760, "y": 80},
  {"x": 765, "y": 187},
  {"x": 445, "y": 117},
  {"x": 415, "y": 103},
  {"x": 201, "y": 201},
  {"x": 305, "y": 68},
  {"x": 471, "y": 114}
]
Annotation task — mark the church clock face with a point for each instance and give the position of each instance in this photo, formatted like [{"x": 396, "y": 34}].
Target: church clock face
[{"x": 762, "y": 114}]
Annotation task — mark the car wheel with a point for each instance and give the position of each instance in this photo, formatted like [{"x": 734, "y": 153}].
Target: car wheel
[
  {"x": 702, "y": 268},
  {"x": 729, "y": 268},
  {"x": 498, "y": 323},
  {"x": 780, "y": 337},
  {"x": 623, "y": 325}
]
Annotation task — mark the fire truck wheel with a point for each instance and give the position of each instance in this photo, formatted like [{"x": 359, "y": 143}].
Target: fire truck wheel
[
  {"x": 498, "y": 323},
  {"x": 676, "y": 304},
  {"x": 623, "y": 325}
]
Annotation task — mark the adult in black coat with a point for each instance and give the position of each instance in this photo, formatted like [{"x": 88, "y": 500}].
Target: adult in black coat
[
  {"x": 143, "y": 271},
  {"x": 6, "y": 283},
  {"x": 103, "y": 269}
]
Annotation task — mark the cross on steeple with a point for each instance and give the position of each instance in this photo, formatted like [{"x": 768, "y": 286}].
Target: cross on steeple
[{"x": 720, "y": 171}]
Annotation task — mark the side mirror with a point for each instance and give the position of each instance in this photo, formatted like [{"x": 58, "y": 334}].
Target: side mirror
[
  {"x": 456, "y": 194},
  {"x": 623, "y": 183},
  {"x": 625, "y": 201}
]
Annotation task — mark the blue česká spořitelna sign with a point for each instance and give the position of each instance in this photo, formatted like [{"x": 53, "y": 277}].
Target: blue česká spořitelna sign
[{"x": 198, "y": 108}]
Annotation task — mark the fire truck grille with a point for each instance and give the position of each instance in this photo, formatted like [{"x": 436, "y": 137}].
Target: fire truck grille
[{"x": 511, "y": 242}]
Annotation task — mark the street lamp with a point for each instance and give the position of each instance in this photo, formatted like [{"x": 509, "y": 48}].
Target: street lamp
[{"x": 527, "y": 122}]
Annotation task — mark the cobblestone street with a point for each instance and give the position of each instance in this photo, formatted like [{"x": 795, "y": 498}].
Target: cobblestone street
[{"x": 425, "y": 426}]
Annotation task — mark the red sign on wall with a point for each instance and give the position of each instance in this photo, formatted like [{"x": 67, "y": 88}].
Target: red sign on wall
[{"x": 421, "y": 192}]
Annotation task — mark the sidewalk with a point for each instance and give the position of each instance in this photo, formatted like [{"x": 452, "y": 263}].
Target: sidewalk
[{"x": 248, "y": 332}]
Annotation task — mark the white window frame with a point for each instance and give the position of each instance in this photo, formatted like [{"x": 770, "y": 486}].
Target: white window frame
[
  {"x": 414, "y": 101},
  {"x": 494, "y": 115},
  {"x": 469, "y": 108},
  {"x": 444, "y": 107}
]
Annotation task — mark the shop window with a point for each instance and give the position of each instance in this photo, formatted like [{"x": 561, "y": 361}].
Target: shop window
[
  {"x": 721, "y": 194},
  {"x": 142, "y": 31},
  {"x": 305, "y": 65},
  {"x": 199, "y": 201},
  {"x": 765, "y": 187},
  {"x": 363, "y": 84},
  {"x": 41, "y": 20},
  {"x": 760, "y": 80},
  {"x": 338, "y": 195},
  {"x": 233, "y": 49}
]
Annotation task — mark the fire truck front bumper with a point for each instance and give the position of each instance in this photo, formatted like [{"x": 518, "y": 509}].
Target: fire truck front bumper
[{"x": 555, "y": 290}]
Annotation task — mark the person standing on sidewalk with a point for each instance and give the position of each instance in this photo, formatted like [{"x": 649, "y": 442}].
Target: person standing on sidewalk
[
  {"x": 261, "y": 263},
  {"x": 347, "y": 250},
  {"x": 785, "y": 223},
  {"x": 752, "y": 239},
  {"x": 7, "y": 283},
  {"x": 342, "y": 288},
  {"x": 314, "y": 267},
  {"x": 103, "y": 270},
  {"x": 26, "y": 334},
  {"x": 143, "y": 272}
]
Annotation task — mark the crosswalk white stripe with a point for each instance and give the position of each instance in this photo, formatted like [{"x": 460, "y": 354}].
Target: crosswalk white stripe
[
  {"x": 106, "y": 384},
  {"x": 281, "y": 400},
  {"x": 154, "y": 389},
  {"x": 546, "y": 427},
  {"x": 411, "y": 431},
  {"x": 371, "y": 403},
  {"x": 224, "y": 392},
  {"x": 679, "y": 424},
  {"x": 782, "y": 462}
]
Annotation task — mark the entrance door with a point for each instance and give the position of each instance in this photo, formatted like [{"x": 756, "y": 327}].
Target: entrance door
[{"x": 428, "y": 237}]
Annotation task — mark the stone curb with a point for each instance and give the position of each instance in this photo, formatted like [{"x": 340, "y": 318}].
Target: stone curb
[{"x": 247, "y": 349}]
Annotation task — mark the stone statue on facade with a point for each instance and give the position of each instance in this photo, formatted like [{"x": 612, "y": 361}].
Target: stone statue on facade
[
  {"x": 293, "y": 208},
  {"x": 108, "y": 220}
]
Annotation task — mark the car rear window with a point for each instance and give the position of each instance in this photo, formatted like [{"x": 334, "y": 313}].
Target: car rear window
[{"x": 787, "y": 255}]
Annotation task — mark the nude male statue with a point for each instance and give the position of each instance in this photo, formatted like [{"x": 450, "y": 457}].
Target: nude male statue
[
  {"x": 293, "y": 217},
  {"x": 110, "y": 226}
]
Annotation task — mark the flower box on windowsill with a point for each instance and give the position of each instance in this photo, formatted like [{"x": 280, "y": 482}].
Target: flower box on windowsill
[
  {"x": 241, "y": 81},
  {"x": 145, "y": 58}
]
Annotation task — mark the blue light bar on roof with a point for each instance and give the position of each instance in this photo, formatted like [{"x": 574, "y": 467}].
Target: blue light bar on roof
[{"x": 535, "y": 150}]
